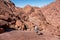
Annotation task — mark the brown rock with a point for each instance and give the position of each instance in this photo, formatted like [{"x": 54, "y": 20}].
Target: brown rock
[
  {"x": 2, "y": 22},
  {"x": 46, "y": 18},
  {"x": 19, "y": 25},
  {"x": 6, "y": 13},
  {"x": 1, "y": 30}
]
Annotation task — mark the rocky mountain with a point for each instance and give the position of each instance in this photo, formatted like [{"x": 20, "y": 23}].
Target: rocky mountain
[
  {"x": 52, "y": 15},
  {"x": 7, "y": 17},
  {"x": 46, "y": 18}
]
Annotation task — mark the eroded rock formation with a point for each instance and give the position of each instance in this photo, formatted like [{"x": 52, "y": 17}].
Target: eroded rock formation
[{"x": 46, "y": 18}]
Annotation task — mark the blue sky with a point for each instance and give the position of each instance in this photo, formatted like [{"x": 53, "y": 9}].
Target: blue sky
[{"x": 38, "y": 3}]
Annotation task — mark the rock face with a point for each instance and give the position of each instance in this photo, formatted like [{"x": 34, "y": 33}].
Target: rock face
[
  {"x": 52, "y": 13},
  {"x": 6, "y": 13},
  {"x": 1, "y": 30},
  {"x": 19, "y": 25},
  {"x": 57, "y": 0},
  {"x": 46, "y": 18},
  {"x": 7, "y": 0}
]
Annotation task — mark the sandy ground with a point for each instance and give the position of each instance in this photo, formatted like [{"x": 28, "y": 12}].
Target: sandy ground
[{"x": 27, "y": 35}]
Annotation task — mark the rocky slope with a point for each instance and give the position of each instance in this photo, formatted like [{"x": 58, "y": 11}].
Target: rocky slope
[
  {"x": 8, "y": 14},
  {"x": 20, "y": 19},
  {"x": 52, "y": 15},
  {"x": 46, "y": 18}
]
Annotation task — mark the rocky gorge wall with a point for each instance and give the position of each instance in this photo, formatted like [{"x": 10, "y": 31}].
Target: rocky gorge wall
[{"x": 46, "y": 18}]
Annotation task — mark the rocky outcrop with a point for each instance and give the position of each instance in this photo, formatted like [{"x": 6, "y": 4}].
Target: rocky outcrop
[
  {"x": 19, "y": 25},
  {"x": 6, "y": 13}
]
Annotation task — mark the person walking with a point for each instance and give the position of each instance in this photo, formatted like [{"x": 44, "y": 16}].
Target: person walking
[{"x": 37, "y": 30}]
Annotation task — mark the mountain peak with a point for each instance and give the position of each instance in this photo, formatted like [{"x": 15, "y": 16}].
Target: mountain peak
[{"x": 28, "y": 6}]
